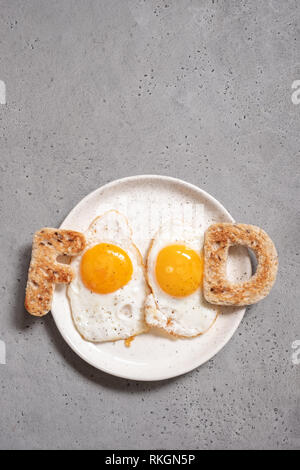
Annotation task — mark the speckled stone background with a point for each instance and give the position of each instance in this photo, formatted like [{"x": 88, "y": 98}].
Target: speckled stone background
[{"x": 200, "y": 90}]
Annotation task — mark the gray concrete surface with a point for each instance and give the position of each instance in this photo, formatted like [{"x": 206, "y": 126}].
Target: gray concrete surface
[{"x": 201, "y": 90}]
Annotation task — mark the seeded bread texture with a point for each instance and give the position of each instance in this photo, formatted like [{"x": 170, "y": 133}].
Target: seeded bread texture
[
  {"x": 220, "y": 291},
  {"x": 45, "y": 271}
]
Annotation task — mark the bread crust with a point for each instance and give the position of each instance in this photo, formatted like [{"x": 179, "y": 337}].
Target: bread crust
[
  {"x": 44, "y": 270},
  {"x": 217, "y": 289}
]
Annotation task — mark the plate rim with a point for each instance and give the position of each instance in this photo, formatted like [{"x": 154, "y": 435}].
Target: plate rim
[{"x": 226, "y": 339}]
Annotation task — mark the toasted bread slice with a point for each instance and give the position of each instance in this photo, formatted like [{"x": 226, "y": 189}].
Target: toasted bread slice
[
  {"x": 45, "y": 271},
  {"x": 217, "y": 289}
]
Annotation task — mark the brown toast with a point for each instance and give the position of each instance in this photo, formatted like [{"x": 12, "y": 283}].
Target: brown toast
[
  {"x": 45, "y": 271},
  {"x": 219, "y": 290}
]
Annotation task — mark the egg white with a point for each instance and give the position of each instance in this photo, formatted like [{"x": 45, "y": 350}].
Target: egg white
[
  {"x": 117, "y": 315},
  {"x": 179, "y": 316}
]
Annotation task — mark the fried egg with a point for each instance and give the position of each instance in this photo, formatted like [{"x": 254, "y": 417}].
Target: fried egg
[
  {"x": 109, "y": 289},
  {"x": 175, "y": 273}
]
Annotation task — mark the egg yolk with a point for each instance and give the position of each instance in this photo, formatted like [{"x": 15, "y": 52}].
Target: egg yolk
[
  {"x": 105, "y": 268},
  {"x": 179, "y": 270}
]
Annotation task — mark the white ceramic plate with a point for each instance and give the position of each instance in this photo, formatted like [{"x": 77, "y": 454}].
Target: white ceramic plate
[{"x": 152, "y": 356}]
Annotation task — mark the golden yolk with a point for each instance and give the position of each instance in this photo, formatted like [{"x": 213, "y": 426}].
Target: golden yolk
[
  {"x": 179, "y": 270},
  {"x": 105, "y": 268},
  {"x": 128, "y": 341}
]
